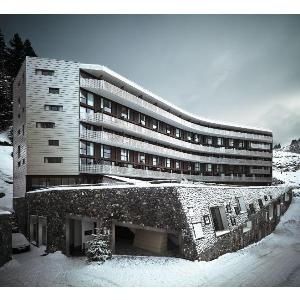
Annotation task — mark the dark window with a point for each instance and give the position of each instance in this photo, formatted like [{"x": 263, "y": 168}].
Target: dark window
[
  {"x": 19, "y": 151},
  {"x": 23, "y": 161},
  {"x": 44, "y": 72},
  {"x": 19, "y": 131},
  {"x": 260, "y": 203},
  {"x": 54, "y": 90},
  {"x": 53, "y": 142},
  {"x": 53, "y": 107},
  {"x": 23, "y": 129},
  {"x": 251, "y": 208},
  {"x": 217, "y": 218},
  {"x": 53, "y": 160},
  {"x": 19, "y": 164},
  {"x": 19, "y": 116},
  {"x": 45, "y": 125}
]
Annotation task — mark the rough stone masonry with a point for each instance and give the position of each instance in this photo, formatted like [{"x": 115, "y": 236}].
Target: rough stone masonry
[{"x": 182, "y": 208}]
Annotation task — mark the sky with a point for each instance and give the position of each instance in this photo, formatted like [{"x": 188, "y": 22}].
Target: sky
[{"x": 242, "y": 69}]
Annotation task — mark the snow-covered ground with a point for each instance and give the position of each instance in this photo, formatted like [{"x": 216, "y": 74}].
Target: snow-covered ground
[
  {"x": 6, "y": 172},
  {"x": 274, "y": 261}
]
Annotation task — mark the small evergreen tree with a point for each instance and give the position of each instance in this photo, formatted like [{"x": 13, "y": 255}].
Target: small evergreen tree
[{"x": 99, "y": 248}]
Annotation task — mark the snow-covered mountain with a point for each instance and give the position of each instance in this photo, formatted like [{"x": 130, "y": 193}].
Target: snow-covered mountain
[{"x": 6, "y": 171}]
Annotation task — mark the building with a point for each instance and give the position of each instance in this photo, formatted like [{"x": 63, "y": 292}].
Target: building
[{"x": 75, "y": 122}]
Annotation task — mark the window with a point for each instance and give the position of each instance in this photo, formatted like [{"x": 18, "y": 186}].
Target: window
[
  {"x": 19, "y": 151},
  {"x": 168, "y": 162},
  {"x": 154, "y": 161},
  {"x": 124, "y": 154},
  {"x": 19, "y": 116},
  {"x": 45, "y": 125},
  {"x": 251, "y": 209},
  {"x": 271, "y": 212},
  {"x": 53, "y": 142},
  {"x": 53, "y": 90},
  {"x": 85, "y": 111},
  {"x": 53, "y": 160},
  {"x": 53, "y": 107},
  {"x": 106, "y": 152},
  {"x": 23, "y": 129},
  {"x": 247, "y": 226},
  {"x": 196, "y": 138},
  {"x": 197, "y": 166},
  {"x": 44, "y": 72},
  {"x": 178, "y": 133},
  {"x": 19, "y": 164},
  {"x": 209, "y": 140},
  {"x": 86, "y": 161},
  {"x": 219, "y": 218},
  {"x": 241, "y": 144},
  {"x": 219, "y": 141},
  {"x": 177, "y": 164},
  {"x": 154, "y": 124},
  {"x": 23, "y": 161},
  {"x": 83, "y": 96},
  {"x": 260, "y": 203},
  {"x": 86, "y": 148},
  {"x": 143, "y": 119},
  {"x": 168, "y": 129},
  {"x": 141, "y": 158},
  {"x": 230, "y": 142},
  {"x": 90, "y": 99},
  {"x": 208, "y": 167},
  {"x": 124, "y": 112},
  {"x": 189, "y": 136},
  {"x": 107, "y": 106},
  {"x": 198, "y": 232},
  {"x": 19, "y": 131}
]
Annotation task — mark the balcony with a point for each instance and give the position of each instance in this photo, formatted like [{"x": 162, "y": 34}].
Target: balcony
[
  {"x": 260, "y": 171},
  {"x": 142, "y": 132},
  {"x": 151, "y": 174},
  {"x": 119, "y": 95}
]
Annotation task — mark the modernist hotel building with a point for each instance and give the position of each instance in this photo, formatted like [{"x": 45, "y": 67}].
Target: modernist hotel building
[{"x": 74, "y": 123}]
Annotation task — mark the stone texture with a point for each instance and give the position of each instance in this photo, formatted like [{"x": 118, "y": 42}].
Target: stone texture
[
  {"x": 169, "y": 207},
  {"x": 5, "y": 239}
]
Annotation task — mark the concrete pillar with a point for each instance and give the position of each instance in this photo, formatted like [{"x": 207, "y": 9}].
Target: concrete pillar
[{"x": 152, "y": 241}]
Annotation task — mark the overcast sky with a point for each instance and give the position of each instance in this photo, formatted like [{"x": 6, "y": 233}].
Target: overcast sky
[{"x": 236, "y": 68}]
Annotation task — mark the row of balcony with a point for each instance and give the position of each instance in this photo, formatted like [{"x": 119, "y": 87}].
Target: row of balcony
[
  {"x": 142, "y": 132},
  {"x": 120, "y": 95},
  {"x": 132, "y": 172},
  {"x": 115, "y": 140}
]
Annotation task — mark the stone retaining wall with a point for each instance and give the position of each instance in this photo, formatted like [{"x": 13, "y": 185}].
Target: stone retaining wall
[{"x": 5, "y": 238}]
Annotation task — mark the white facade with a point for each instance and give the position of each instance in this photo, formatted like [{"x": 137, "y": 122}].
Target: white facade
[{"x": 47, "y": 135}]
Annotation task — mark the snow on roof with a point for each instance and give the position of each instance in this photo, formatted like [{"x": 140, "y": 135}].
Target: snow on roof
[
  {"x": 4, "y": 212},
  {"x": 159, "y": 185}
]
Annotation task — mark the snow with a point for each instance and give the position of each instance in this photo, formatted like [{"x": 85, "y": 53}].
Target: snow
[
  {"x": 4, "y": 137},
  {"x": 4, "y": 212},
  {"x": 274, "y": 261},
  {"x": 6, "y": 176}
]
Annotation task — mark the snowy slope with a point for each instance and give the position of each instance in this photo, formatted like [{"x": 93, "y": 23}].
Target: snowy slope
[
  {"x": 286, "y": 166},
  {"x": 6, "y": 172}
]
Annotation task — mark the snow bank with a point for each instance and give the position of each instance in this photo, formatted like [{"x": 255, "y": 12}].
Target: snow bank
[{"x": 6, "y": 176}]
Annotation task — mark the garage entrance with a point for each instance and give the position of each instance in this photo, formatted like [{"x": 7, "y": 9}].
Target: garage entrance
[{"x": 130, "y": 239}]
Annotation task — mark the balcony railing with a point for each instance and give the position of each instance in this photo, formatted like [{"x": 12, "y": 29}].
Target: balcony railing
[
  {"x": 260, "y": 171},
  {"x": 136, "y": 130},
  {"x": 135, "y": 101},
  {"x": 132, "y": 172}
]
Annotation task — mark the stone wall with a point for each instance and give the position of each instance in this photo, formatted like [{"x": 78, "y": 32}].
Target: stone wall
[
  {"x": 5, "y": 238},
  {"x": 20, "y": 206},
  {"x": 172, "y": 207}
]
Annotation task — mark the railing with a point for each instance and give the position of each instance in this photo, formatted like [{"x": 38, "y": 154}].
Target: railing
[
  {"x": 260, "y": 171},
  {"x": 133, "y": 129},
  {"x": 159, "y": 112},
  {"x": 131, "y": 144},
  {"x": 132, "y": 172}
]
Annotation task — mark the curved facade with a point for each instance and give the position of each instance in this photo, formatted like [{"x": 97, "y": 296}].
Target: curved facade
[{"x": 76, "y": 122}]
